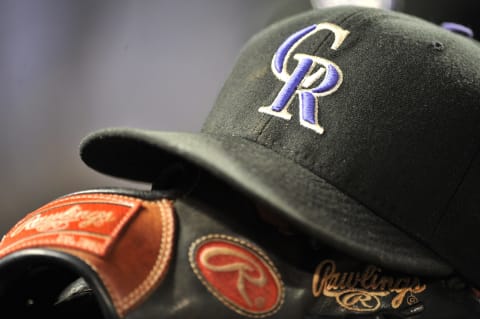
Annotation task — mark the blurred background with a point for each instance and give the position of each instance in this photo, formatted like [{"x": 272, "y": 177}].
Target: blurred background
[{"x": 72, "y": 67}]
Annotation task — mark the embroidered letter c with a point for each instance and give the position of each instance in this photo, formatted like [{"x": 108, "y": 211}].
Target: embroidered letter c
[{"x": 302, "y": 80}]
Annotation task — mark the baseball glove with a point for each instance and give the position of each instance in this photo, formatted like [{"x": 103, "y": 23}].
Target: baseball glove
[{"x": 209, "y": 252}]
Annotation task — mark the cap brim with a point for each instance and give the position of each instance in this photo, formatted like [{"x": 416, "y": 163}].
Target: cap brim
[{"x": 308, "y": 201}]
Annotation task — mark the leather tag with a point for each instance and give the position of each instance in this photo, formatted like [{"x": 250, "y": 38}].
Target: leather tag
[
  {"x": 86, "y": 222},
  {"x": 126, "y": 240},
  {"x": 239, "y": 274}
]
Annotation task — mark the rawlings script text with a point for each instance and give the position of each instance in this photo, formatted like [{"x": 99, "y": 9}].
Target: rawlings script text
[
  {"x": 61, "y": 220},
  {"x": 362, "y": 291}
]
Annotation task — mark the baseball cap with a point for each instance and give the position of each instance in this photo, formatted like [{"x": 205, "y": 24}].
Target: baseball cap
[{"x": 357, "y": 125}]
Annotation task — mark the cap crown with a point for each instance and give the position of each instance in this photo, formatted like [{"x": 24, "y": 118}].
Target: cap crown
[{"x": 384, "y": 106}]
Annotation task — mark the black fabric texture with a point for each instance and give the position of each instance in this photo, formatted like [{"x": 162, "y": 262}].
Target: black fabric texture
[
  {"x": 392, "y": 169},
  {"x": 311, "y": 203}
]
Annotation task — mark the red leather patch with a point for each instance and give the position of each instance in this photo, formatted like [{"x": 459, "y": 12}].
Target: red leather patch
[
  {"x": 238, "y": 274},
  {"x": 84, "y": 222}
]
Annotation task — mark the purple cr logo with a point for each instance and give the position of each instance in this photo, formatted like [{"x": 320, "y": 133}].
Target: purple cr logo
[{"x": 312, "y": 77}]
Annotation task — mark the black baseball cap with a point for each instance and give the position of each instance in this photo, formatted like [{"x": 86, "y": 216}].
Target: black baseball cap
[{"x": 358, "y": 125}]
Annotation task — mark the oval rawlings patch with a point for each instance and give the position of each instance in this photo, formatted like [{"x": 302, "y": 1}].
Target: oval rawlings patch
[{"x": 239, "y": 274}]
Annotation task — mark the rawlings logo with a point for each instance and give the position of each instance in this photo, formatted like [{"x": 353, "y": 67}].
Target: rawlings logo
[
  {"x": 306, "y": 79},
  {"x": 87, "y": 222},
  {"x": 363, "y": 291},
  {"x": 238, "y": 274},
  {"x": 62, "y": 220}
]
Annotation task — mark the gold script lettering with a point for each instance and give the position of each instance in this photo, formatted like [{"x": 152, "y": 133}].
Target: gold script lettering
[
  {"x": 61, "y": 220},
  {"x": 362, "y": 291}
]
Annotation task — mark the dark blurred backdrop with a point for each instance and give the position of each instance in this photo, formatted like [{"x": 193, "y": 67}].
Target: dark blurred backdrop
[{"x": 71, "y": 67}]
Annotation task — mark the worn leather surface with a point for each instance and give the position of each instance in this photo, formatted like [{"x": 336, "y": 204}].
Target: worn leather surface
[
  {"x": 140, "y": 259},
  {"x": 228, "y": 258}
]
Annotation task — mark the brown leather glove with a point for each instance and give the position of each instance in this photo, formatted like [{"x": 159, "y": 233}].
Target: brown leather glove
[{"x": 211, "y": 253}]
